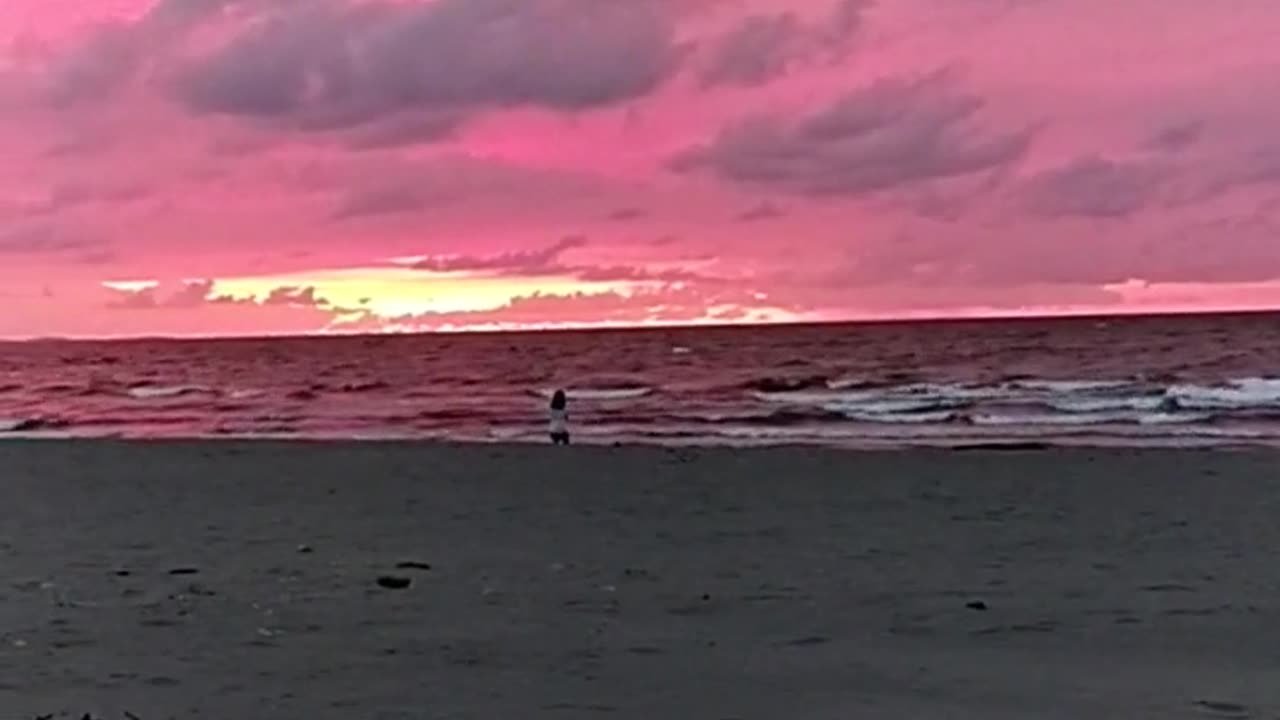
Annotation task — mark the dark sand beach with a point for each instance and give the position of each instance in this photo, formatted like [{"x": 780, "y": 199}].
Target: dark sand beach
[{"x": 240, "y": 580}]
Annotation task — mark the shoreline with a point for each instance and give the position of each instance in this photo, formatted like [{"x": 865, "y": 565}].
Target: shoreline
[
  {"x": 180, "y": 579},
  {"x": 1014, "y": 445}
]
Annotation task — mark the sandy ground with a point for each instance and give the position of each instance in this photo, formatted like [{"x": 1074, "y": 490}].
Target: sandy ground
[{"x": 235, "y": 580}]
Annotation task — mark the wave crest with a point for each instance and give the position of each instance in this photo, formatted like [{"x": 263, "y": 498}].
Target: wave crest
[
  {"x": 158, "y": 392},
  {"x": 602, "y": 393},
  {"x": 1243, "y": 393}
]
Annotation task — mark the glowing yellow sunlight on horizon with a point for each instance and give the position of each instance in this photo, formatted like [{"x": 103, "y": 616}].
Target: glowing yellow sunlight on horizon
[{"x": 396, "y": 292}]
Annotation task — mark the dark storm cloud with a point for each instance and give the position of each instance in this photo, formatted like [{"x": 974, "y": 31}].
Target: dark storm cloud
[
  {"x": 1174, "y": 138},
  {"x": 1095, "y": 187},
  {"x": 404, "y": 131},
  {"x": 108, "y": 60},
  {"x": 71, "y": 194},
  {"x": 765, "y": 47},
  {"x": 893, "y": 133},
  {"x": 632, "y": 273},
  {"x": 40, "y": 238},
  {"x": 758, "y": 50},
  {"x": 118, "y": 52},
  {"x": 526, "y": 262},
  {"x": 334, "y": 66},
  {"x": 548, "y": 261},
  {"x": 379, "y": 201}
]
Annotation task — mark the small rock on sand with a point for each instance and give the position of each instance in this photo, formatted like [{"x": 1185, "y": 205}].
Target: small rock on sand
[
  {"x": 394, "y": 582},
  {"x": 976, "y": 605}
]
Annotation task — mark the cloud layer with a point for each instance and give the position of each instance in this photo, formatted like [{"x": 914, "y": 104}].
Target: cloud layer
[{"x": 208, "y": 166}]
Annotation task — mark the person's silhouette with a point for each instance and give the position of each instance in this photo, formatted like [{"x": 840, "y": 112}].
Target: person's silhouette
[{"x": 560, "y": 418}]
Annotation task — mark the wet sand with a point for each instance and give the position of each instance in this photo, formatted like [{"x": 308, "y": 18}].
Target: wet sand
[{"x": 241, "y": 580}]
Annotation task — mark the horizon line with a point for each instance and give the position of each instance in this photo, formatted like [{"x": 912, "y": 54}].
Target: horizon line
[{"x": 568, "y": 328}]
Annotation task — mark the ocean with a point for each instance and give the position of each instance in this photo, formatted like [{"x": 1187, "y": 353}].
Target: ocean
[{"x": 1138, "y": 381}]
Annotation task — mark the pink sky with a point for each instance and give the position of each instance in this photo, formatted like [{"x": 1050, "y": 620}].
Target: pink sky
[{"x": 273, "y": 166}]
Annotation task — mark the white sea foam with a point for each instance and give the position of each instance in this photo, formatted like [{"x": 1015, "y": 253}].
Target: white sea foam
[
  {"x": 904, "y": 418},
  {"x": 1235, "y": 394},
  {"x": 155, "y": 392},
  {"x": 823, "y": 398},
  {"x": 915, "y": 396},
  {"x": 970, "y": 392},
  {"x": 846, "y": 383},
  {"x": 1036, "y": 403},
  {"x": 1147, "y": 403},
  {"x": 1028, "y": 419},
  {"x": 1047, "y": 402},
  {"x": 802, "y": 397},
  {"x": 1070, "y": 386},
  {"x": 1097, "y": 418},
  {"x": 9, "y": 425},
  {"x": 1175, "y": 418}
]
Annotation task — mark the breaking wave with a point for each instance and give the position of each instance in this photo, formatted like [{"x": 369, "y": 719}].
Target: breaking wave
[
  {"x": 1100, "y": 418},
  {"x": 587, "y": 393},
  {"x": 1254, "y": 392},
  {"x": 1035, "y": 402}
]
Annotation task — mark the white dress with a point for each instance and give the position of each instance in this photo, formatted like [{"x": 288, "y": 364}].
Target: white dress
[{"x": 559, "y": 421}]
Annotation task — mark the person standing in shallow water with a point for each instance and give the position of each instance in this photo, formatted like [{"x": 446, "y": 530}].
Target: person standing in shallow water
[{"x": 559, "y": 418}]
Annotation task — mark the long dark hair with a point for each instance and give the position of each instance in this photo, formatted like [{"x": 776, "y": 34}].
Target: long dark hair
[{"x": 559, "y": 400}]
